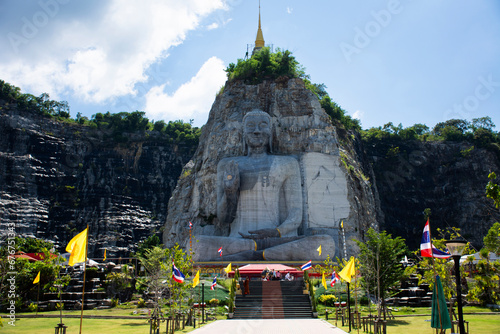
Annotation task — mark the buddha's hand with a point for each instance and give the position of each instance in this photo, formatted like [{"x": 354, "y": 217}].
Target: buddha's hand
[
  {"x": 261, "y": 234},
  {"x": 231, "y": 177}
]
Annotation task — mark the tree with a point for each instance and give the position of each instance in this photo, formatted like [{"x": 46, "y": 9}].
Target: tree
[
  {"x": 492, "y": 239},
  {"x": 379, "y": 263},
  {"x": 485, "y": 289},
  {"x": 483, "y": 122},
  {"x": 34, "y": 245},
  {"x": 158, "y": 265},
  {"x": 265, "y": 65},
  {"x": 148, "y": 243},
  {"x": 493, "y": 190}
]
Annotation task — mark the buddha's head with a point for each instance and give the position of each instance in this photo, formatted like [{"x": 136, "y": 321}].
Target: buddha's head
[{"x": 257, "y": 133}]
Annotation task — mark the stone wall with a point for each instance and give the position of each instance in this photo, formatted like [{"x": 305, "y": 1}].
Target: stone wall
[
  {"x": 447, "y": 177},
  {"x": 55, "y": 178}
]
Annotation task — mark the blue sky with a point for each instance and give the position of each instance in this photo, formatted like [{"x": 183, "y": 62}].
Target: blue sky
[{"x": 403, "y": 61}]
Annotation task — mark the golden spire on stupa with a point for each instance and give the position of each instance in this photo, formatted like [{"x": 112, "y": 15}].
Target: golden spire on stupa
[{"x": 259, "y": 40}]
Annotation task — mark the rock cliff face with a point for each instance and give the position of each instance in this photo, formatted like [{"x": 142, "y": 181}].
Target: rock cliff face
[
  {"x": 334, "y": 183},
  {"x": 56, "y": 178},
  {"x": 449, "y": 178}
]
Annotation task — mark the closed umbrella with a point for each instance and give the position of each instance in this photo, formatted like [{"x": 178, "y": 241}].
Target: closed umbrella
[{"x": 439, "y": 307}]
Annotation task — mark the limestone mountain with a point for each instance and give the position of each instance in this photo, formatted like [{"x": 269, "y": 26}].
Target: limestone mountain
[
  {"x": 335, "y": 182},
  {"x": 55, "y": 178}
]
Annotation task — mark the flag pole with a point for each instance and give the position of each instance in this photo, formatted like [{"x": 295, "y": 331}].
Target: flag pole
[
  {"x": 356, "y": 301},
  {"x": 349, "y": 305},
  {"x": 435, "y": 274},
  {"x": 84, "y": 276},
  {"x": 60, "y": 297},
  {"x": 38, "y": 298},
  {"x": 192, "y": 264}
]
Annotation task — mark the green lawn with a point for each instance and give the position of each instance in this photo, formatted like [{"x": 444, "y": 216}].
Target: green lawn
[
  {"x": 118, "y": 326},
  {"x": 478, "y": 323}
]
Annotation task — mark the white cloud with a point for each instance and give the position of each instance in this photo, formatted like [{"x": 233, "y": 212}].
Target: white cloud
[
  {"x": 192, "y": 100},
  {"x": 358, "y": 114},
  {"x": 212, "y": 26},
  {"x": 103, "y": 56},
  {"x": 289, "y": 10}
]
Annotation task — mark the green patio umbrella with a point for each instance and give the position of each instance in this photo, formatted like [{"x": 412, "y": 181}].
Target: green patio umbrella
[{"x": 439, "y": 307}]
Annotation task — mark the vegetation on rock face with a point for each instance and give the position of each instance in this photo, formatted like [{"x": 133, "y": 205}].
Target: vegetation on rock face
[
  {"x": 281, "y": 66},
  {"x": 265, "y": 65},
  {"x": 41, "y": 105},
  {"x": 479, "y": 132},
  {"x": 147, "y": 244},
  {"x": 117, "y": 124},
  {"x": 493, "y": 190}
]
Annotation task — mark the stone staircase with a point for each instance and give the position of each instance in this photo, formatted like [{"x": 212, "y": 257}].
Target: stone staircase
[{"x": 273, "y": 300}]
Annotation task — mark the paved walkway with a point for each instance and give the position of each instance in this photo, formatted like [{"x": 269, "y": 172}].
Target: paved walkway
[{"x": 269, "y": 326}]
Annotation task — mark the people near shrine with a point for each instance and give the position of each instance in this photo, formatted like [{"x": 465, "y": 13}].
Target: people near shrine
[{"x": 246, "y": 286}]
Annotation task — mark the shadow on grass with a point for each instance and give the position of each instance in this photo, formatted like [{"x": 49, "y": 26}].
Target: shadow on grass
[
  {"x": 397, "y": 322},
  {"x": 133, "y": 324}
]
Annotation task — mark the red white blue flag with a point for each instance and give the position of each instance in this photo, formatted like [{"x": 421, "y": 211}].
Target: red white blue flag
[
  {"x": 214, "y": 283},
  {"x": 335, "y": 279},
  {"x": 220, "y": 251},
  {"x": 427, "y": 249},
  {"x": 306, "y": 266},
  {"x": 190, "y": 225},
  {"x": 177, "y": 275}
]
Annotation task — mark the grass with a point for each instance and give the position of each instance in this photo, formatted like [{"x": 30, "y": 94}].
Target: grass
[
  {"x": 410, "y": 324},
  {"x": 478, "y": 324},
  {"x": 413, "y": 324},
  {"x": 118, "y": 326}
]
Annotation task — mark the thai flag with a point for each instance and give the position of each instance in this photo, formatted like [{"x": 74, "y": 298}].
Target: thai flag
[
  {"x": 426, "y": 246},
  {"x": 214, "y": 283},
  {"x": 306, "y": 266},
  {"x": 220, "y": 251},
  {"x": 190, "y": 225},
  {"x": 177, "y": 275},
  {"x": 335, "y": 279}
]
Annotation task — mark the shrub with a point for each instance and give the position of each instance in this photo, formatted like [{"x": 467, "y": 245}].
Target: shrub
[
  {"x": 327, "y": 300},
  {"x": 33, "y": 307},
  {"x": 213, "y": 302}
]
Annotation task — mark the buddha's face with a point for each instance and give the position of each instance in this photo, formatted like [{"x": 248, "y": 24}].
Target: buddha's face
[{"x": 257, "y": 131}]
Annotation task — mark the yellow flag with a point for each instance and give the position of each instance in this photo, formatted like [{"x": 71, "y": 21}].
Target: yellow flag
[
  {"x": 319, "y": 250},
  {"x": 323, "y": 281},
  {"x": 196, "y": 279},
  {"x": 342, "y": 224},
  {"x": 37, "y": 278},
  {"x": 228, "y": 268},
  {"x": 104, "y": 255},
  {"x": 348, "y": 270},
  {"x": 77, "y": 247}
]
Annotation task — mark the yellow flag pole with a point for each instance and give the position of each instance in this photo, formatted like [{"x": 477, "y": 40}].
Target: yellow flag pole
[
  {"x": 38, "y": 298},
  {"x": 84, "y": 276}
]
